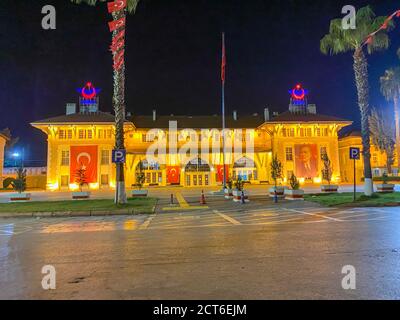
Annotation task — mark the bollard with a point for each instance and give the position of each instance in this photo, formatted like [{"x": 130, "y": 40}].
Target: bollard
[
  {"x": 275, "y": 197},
  {"x": 172, "y": 199},
  {"x": 203, "y": 198}
]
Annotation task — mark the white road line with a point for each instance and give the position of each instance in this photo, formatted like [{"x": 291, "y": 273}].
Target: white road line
[
  {"x": 227, "y": 218},
  {"x": 146, "y": 224},
  {"x": 314, "y": 214}
]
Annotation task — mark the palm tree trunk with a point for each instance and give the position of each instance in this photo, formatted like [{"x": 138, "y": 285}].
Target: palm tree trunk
[
  {"x": 361, "y": 77},
  {"x": 119, "y": 109},
  {"x": 397, "y": 127}
]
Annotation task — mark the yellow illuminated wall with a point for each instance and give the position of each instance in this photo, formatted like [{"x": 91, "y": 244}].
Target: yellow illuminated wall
[{"x": 2, "y": 145}]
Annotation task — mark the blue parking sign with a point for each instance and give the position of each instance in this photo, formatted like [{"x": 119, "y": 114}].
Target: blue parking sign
[
  {"x": 118, "y": 156},
  {"x": 355, "y": 153}
]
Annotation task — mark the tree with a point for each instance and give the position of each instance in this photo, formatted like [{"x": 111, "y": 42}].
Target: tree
[
  {"x": 80, "y": 177},
  {"x": 140, "y": 177},
  {"x": 294, "y": 182},
  {"x": 19, "y": 183},
  {"x": 390, "y": 88},
  {"x": 339, "y": 40},
  {"x": 118, "y": 100},
  {"x": 276, "y": 170},
  {"x": 382, "y": 133},
  {"x": 327, "y": 169}
]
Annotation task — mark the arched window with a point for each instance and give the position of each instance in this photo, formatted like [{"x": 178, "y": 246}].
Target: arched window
[
  {"x": 197, "y": 165},
  {"x": 246, "y": 169}
]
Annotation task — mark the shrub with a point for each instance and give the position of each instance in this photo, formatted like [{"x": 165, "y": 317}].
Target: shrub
[
  {"x": 7, "y": 182},
  {"x": 19, "y": 183},
  {"x": 294, "y": 183}
]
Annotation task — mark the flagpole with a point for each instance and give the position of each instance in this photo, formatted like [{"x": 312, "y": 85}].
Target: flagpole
[{"x": 223, "y": 109}]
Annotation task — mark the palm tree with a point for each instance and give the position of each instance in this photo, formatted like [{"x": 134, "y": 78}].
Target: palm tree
[
  {"x": 390, "y": 88},
  {"x": 382, "y": 133},
  {"x": 338, "y": 41},
  {"x": 118, "y": 100}
]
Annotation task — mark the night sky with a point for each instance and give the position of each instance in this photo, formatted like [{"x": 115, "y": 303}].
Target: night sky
[{"x": 173, "y": 58}]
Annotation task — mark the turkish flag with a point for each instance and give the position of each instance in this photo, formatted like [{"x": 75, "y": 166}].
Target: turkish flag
[
  {"x": 116, "y": 24},
  {"x": 220, "y": 172},
  {"x": 84, "y": 157},
  {"x": 223, "y": 63},
  {"x": 173, "y": 174},
  {"x": 116, "y": 5}
]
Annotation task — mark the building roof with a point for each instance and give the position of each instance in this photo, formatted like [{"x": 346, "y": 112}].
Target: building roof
[
  {"x": 351, "y": 133},
  {"x": 87, "y": 117},
  {"x": 197, "y": 122},
  {"x": 305, "y": 117}
]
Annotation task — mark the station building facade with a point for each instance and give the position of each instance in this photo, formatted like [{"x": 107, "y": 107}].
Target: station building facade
[{"x": 298, "y": 137}]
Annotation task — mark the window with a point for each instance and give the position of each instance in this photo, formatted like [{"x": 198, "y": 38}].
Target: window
[
  {"x": 65, "y": 158},
  {"x": 284, "y": 132},
  {"x": 301, "y": 132},
  {"x": 69, "y": 134},
  {"x": 82, "y": 134},
  {"x": 318, "y": 132},
  {"x": 290, "y": 132},
  {"x": 308, "y": 132},
  {"x": 89, "y": 134},
  {"x": 62, "y": 135},
  {"x": 188, "y": 180},
  {"x": 374, "y": 158},
  {"x": 323, "y": 151},
  {"x": 104, "y": 179},
  {"x": 64, "y": 181},
  {"x": 325, "y": 132},
  {"x": 147, "y": 138},
  {"x": 105, "y": 157},
  {"x": 289, "y": 154}
]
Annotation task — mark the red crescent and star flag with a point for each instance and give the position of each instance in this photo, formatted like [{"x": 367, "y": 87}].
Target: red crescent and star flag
[
  {"x": 173, "y": 174},
  {"x": 84, "y": 157}
]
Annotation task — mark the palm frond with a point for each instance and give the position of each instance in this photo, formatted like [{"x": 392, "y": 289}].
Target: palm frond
[{"x": 339, "y": 40}]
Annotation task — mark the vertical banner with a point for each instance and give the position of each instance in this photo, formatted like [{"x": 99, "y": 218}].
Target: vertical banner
[
  {"x": 84, "y": 157},
  {"x": 220, "y": 172},
  {"x": 306, "y": 160},
  {"x": 173, "y": 174}
]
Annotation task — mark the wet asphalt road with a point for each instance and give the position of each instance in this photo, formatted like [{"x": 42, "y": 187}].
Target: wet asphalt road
[{"x": 225, "y": 251}]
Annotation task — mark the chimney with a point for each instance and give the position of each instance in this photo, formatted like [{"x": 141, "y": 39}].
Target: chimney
[
  {"x": 266, "y": 114},
  {"x": 275, "y": 114},
  {"x": 235, "y": 115},
  {"x": 154, "y": 115},
  {"x": 312, "y": 109},
  {"x": 70, "y": 109}
]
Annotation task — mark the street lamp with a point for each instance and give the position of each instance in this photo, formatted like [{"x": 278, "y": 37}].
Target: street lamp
[{"x": 17, "y": 155}]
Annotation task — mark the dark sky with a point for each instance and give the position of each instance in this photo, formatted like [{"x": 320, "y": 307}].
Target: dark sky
[{"x": 173, "y": 59}]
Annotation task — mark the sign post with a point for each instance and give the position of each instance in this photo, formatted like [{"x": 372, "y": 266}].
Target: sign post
[{"x": 355, "y": 155}]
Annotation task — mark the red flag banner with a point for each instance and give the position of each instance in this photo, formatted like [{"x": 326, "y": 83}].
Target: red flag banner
[
  {"x": 220, "y": 172},
  {"x": 173, "y": 174},
  {"x": 117, "y": 24},
  {"x": 84, "y": 157},
  {"x": 116, "y": 45},
  {"x": 119, "y": 59},
  {"x": 116, "y": 5},
  {"x": 223, "y": 64}
]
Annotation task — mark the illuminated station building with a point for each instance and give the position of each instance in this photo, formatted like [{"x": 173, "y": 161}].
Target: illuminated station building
[{"x": 298, "y": 137}]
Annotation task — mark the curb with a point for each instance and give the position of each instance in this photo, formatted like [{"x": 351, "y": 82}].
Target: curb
[{"x": 67, "y": 214}]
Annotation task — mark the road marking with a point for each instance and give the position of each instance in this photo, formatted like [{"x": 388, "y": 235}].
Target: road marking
[
  {"x": 183, "y": 205},
  {"x": 314, "y": 214},
  {"x": 227, "y": 218},
  {"x": 181, "y": 200},
  {"x": 146, "y": 224}
]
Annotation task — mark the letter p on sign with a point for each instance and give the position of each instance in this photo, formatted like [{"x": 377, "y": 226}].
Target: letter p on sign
[{"x": 118, "y": 156}]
